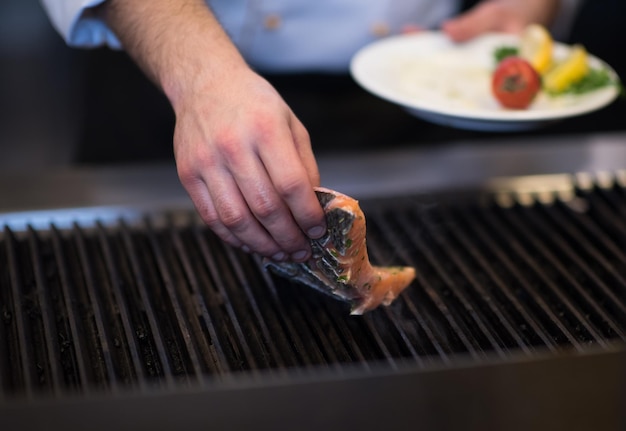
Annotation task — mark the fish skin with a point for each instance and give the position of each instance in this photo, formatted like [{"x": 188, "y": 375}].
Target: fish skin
[{"x": 339, "y": 265}]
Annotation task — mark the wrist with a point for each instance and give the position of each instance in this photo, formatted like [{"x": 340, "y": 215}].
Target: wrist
[{"x": 180, "y": 46}]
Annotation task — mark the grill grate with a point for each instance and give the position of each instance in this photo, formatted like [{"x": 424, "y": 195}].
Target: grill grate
[{"x": 162, "y": 303}]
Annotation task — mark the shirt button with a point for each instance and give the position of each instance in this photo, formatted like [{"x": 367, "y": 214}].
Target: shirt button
[
  {"x": 272, "y": 22},
  {"x": 380, "y": 29}
]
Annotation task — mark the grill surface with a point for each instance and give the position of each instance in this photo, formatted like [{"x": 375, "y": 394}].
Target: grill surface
[{"x": 161, "y": 303}]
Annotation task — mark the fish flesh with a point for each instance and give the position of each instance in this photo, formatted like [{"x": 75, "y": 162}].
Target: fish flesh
[{"x": 339, "y": 265}]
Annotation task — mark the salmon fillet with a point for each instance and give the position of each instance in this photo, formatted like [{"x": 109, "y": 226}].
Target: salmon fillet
[{"x": 340, "y": 266}]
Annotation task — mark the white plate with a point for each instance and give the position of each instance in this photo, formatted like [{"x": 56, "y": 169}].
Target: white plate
[{"x": 447, "y": 83}]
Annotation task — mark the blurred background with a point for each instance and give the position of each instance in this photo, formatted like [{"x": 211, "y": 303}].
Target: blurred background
[{"x": 61, "y": 106}]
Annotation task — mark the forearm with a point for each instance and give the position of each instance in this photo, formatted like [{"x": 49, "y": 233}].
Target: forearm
[
  {"x": 535, "y": 11},
  {"x": 177, "y": 44}
]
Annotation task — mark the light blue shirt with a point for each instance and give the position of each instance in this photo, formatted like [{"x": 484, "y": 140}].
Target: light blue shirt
[{"x": 285, "y": 35}]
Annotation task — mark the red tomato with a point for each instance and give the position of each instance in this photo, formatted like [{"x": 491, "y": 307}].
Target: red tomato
[{"x": 515, "y": 83}]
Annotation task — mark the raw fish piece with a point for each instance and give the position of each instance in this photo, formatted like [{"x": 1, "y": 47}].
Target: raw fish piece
[{"x": 339, "y": 265}]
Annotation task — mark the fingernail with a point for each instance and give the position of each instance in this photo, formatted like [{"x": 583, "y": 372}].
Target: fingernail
[
  {"x": 300, "y": 255},
  {"x": 316, "y": 232},
  {"x": 245, "y": 248},
  {"x": 280, "y": 256}
]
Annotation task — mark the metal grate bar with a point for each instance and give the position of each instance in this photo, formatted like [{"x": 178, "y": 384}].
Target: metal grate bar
[
  {"x": 211, "y": 347},
  {"x": 603, "y": 211},
  {"x": 278, "y": 336},
  {"x": 119, "y": 308},
  {"x": 592, "y": 248},
  {"x": 271, "y": 354},
  {"x": 243, "y": 356},
  {"x": 19, "y": 344},
  {"x": 41, "y": 316},
  {"x": 196, "y": 309},
  {"x": 343, "y": 332},
  {"x": 452, "y": 333},
  {"x": 5, "y": 317},
  {"x": 170, "y": 281},
  {"x": 455, "y": 314},
  {"x": 596, "y": 235},
  {"x": 305, "y": 308},
  {"x": 513, "y": 255},
  {"x": 277, "y": 330},
  {"x": 328, "y": 340},
  {"x": 244, "y": 310},
  {"x": 493, "y": 315},
  {"x": 550, "y": 274},
  {"x": 603, "y": 322},
  {"x": 375, "y": 247},
  {"x": 558, "y": 306},
  {"x": 74, "y": 338},
  {"x": 97, "y": 326},
  {"x": 423, "y": 336},
  {"x": 297, "y": 330},
  {"x": 140, "y": 281},
  {"x": 509, "y": 303}
]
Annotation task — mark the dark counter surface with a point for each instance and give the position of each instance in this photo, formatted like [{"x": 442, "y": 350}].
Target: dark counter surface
[{"x": 366, "y": 173}]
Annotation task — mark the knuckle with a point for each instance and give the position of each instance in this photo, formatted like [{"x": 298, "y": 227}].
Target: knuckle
[
  {"x": 233, "y": 219},
  {"x": 186, "y": 174},
  {"x": 229, "y": 145},
  {"x": 290, "y": 186},
  {"x": 265, "y": 207},
  {"x": 229, "y": 215},
  {"x": 208, "y": 215}
]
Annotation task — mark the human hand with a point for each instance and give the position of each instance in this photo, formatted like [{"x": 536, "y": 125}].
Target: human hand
[
  {"x": 246, "y": 162},
  {"x": 509, "y": 16},
  {"x": 241, "y": 153}
]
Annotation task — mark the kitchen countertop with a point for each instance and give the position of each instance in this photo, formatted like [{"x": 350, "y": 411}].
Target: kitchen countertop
[{"x": 422, "y": 168}]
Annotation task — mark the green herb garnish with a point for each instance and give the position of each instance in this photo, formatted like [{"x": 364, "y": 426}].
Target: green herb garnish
[
  {"x": 593, "y": 80},
  {"x": 503, "y": 52}
]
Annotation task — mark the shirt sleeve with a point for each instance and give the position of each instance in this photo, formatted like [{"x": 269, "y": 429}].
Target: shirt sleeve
[{"x": 79, "y": 28}]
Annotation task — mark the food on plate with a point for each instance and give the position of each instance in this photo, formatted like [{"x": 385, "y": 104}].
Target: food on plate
[
  {"x": 536, "y": 47},
  {"x": 340, "y": 265},
  {"x": 570, "y": 71},
  {"x": 515, "y": 83},
  {"x": 566, "y": 74}
]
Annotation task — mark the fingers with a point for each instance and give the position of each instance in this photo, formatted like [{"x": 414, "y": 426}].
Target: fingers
[
  {"x": 469, "y": 25},
  {"x": 255, "y": 189},
  {"x": 293, "y": 172},
  {"x": 275, "y": 183},
  {"x": 485, "y": 17},
  {"x": 197, "y": 190},
  {"x": 247, "y": 163},
  {"x": 411, "y": 29},
  {"x": 302, "y": 142}
]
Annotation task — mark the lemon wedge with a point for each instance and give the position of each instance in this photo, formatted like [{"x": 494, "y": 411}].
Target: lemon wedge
[
  {"x": 572, "y": 69},
  {"x": 536, "y": 47}
]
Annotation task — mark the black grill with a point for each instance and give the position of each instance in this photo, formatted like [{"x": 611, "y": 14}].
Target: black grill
[{"x": 160, "y": 303}]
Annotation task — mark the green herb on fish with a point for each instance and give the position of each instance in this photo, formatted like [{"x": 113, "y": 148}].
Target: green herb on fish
[{"x": 342, "y": 279}]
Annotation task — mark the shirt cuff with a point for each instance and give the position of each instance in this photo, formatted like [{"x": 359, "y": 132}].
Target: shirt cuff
[{"x": 77, "y": 27}]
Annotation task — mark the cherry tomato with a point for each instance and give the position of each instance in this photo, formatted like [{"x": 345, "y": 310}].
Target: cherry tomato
[{"x": 515, "y": 83}]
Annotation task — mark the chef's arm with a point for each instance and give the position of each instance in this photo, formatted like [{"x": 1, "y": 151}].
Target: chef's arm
[
  {"x": 241, "y": 153},
  {"x": 513, "y": 16}
]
